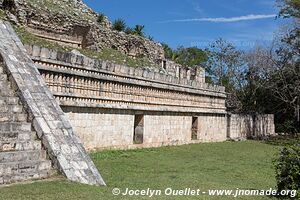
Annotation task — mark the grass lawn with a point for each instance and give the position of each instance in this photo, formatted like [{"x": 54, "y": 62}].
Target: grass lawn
[{"x": 227, "y": 165}]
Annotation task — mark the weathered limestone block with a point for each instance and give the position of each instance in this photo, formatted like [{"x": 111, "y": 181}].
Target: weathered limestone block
[{"x": 57, "y": 135}]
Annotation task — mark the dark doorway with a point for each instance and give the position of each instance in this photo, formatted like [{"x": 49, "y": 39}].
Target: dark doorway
[
  {"x": 195, "y": 128},
  {"x": 138, "y": 135}
]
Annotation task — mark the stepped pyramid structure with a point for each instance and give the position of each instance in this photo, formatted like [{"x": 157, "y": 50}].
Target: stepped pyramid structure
[
  {"x": 32, "y": 123},
  {"x": 22, "y": 156}
]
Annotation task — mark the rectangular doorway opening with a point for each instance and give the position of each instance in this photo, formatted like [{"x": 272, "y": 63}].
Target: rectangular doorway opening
[
  {"x": 138, "y": 136},
  {"x": 195, "y": 128}
]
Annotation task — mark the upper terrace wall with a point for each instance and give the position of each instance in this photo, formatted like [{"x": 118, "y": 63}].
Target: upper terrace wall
[
  {"x": 195, "y": 73},
  {"x": 72, "y": 23},
  {"x": 103, "y": 100},
  {"x": 80, "y": 81}
]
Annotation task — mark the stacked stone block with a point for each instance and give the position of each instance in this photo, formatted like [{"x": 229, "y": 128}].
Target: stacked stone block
[
  {"x": 22, "y": 156},
  {"x": 63, "y": 147}
]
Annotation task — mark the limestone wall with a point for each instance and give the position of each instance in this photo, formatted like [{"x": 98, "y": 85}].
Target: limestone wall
[
  {"x": 114, "y": 129},
  {"x": 248, "y": 126},
  {"x": 103, "y": 101},
  {"x": 98, "y": 129},
  {"x": 212, "y": 128},
  {"x": 167, "y": 130}
]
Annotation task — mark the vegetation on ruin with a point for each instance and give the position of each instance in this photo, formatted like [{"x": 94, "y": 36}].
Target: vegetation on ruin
[
  {"x": 227, "y": 165},
  {"x": 61, "y": 7},
  {"x": 106, "y": 54},
  {"x": 119, "y": 25},
  {"x": 100, "y": 18},
  {"x": 28, "y": 38},
  {"x": 137, "y": 30},
  {"x": 2, "y": 14},
  {"x": 118, "y": 58}
]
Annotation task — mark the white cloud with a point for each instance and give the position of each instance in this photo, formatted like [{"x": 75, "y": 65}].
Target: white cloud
[{"x": 223, "y": 19}]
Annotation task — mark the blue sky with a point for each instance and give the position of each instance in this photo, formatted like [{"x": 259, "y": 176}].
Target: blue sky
[{"x": 197, "y": 22}]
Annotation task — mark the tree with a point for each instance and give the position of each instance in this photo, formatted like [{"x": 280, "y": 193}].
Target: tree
[
  {"x": 285, "y": 80},
  {"x": 225, "y": 66},
  {"x": 119, "y": 25},
  {"x": 289, "y": 8},
  {"x": 224, "y": 62},
  {"x": 169, "y": 52},
  {"x": 191, "y": 56}
]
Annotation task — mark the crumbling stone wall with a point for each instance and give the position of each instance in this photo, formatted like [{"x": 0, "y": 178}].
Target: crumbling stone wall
[
  {"x": 196, "y": 73},
  {"x": 73, "y": 24}
]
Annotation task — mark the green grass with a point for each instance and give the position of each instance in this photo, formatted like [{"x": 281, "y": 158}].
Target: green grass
[
  {"x": 228, "y": 165},
  {"x": 28, "y": 38},
  {"x": 118, "y": 58}
]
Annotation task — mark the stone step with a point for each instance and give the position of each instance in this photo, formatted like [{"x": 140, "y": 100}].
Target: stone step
[
  {"x": 25, "y": 167},
  {"x": 11, "y": 109},
  {"x": 19, "y": 156},
  {"x": 25, "y": 177},
  {"x": 19, "y": 145},
  {"x": 9, "y": 101},
  {"x": 3, "y": 77},
  {"x": 23, "y": 135},
  {"x": 13, "y": 117},
  {"x": 5, "y": 90},
  {"x": 25, "y": 171},
  {"x": 22, "y": 157},
  {"x": 14, "y": 126}
]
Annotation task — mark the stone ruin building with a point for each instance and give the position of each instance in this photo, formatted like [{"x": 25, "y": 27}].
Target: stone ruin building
[{"x": 57, "y": 105}]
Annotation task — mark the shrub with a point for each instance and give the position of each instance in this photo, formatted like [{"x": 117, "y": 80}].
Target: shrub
[
  {"x": 288, "y": 169},
  {"x": 137, "y": 30},
  {"x": 119, "y": 25},
  {"x": 100, "y": 18},
  {"x": 129, "y": 31},
  {"x": 151, "y": 38},
  {"x": 288, "y": 126}
]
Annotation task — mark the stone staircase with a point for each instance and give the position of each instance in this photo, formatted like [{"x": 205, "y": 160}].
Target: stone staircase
[{"x": 22, "y": 156}]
